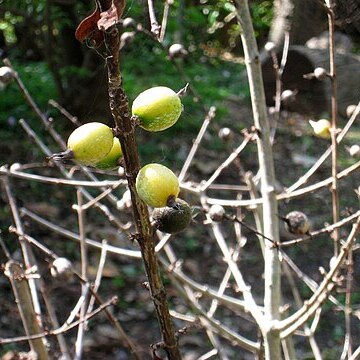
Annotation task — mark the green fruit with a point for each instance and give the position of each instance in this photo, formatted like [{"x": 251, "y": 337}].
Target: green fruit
[
  {"x": 173, "y": 219},
  {"x": 111, "y": 160},
  {"x": 157, "y": 108},
  {"x": 156, "y": 185},
  {"x": 90, "y": 143}
]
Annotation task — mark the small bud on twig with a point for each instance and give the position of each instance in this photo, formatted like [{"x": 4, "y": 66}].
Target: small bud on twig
[
  {"x": 296, "y": 222},
  {"x": 216, "y": 213},
  {"x": 6, "y": 75},
  {"x": 128, "y": 22},
  {"x": 320, "y": 73},
  {"x": 350, "y": 110},
  {"x": 354, "y": 150},
  {"x": 177, "y": 51},
  {"x": 61, "y": 268},
  {"x": 270, "y": 46},
  {"x": 226, "y": 134}
]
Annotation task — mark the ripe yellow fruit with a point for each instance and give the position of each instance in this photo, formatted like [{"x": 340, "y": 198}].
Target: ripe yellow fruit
[
  {"x": 157, "y": 108},
  {"x": 90, "y": 143},
  {"x": 156, "y": 185},
  {"x": 111, "y": 160},
  {"x": 321, "y": 128}
]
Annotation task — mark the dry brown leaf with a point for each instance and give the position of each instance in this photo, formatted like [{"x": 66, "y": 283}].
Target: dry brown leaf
[{"x": 112, "y": 15}]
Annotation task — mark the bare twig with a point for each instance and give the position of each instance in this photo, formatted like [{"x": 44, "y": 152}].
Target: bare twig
[
  {"x": 250, "y": 303},
  {"x": 64, "y": 112},
  {"x": 289, "y": 325},
  {"x": 310, "y": 283},
  {"x": 26, "y": 252},
  {"x": 107, "y": 184},
  {"x": 99, "y": 273},
  {"x": 210, "y": 115},
  {"x": 73, "y": 236},
  {"x": 220, "y": 328},
  {"x": 326, "y": 154},
  {"x": 298, "y": 301},
  {"x": 267, "y": 174},
  {"x": 84, "y": 264},
  {"x": 285, "y": 196},
  {"x": 326, "y": 229},
  {"x": 225, "y": 164},
  {"x": 167, "y": 4},
  {"x": 204, "y": 290},
  {"x": 279, "y": 70},
  {"x": 21, "y": 289},
  {"x": 64, "y": 328},
  {"x": 347, "y": 350},
  {"x": 334, "y": 111},
  {"x": 155, "y": 28},
  {"x": 223, "y": 284}
]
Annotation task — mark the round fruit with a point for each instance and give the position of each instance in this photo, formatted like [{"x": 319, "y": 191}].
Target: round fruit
[
  {"x": 173, "y": 219},
  {"x": 296, "y": 222},
  {"x": 321, "y": 128},
  {"x": 90, "y": 143},
  {"x": 156, "y": 185},
  {"x": 6, "y": 75},
  {"x": 111, "y": 160},
  {"x": 157, "y": 108},
  {"x": 320, "y": 73},
  {"x": 62, "y": 269},
  {"x": 216, "y": 213}
]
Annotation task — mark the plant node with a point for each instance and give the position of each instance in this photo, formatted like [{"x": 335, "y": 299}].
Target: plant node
[{"x": 62, "y": 156}]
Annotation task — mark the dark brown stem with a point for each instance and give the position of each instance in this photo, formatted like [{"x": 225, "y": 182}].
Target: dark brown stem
[
  {"x": 124, "y": 129},
  {"x": 334, "y": 110}
]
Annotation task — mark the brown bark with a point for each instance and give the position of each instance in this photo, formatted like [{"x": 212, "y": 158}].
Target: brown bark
[{"x": 125, "y": 131}]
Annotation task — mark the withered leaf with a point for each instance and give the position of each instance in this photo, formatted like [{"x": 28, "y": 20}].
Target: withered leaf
[
  {"x": 88, "y": 29},
  {"x": 92, "y": 27},
  {"x": 112, "y": 15}
]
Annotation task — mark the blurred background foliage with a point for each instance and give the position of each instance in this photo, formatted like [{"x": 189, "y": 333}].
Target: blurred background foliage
[{"x": 38, "y": 37}]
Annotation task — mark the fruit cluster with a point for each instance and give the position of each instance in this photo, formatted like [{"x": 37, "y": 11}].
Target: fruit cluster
[{"x": 94, "y": 144}]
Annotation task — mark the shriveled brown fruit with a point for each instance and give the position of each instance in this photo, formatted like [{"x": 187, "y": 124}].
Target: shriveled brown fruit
[{"x": 173, "y": 219}]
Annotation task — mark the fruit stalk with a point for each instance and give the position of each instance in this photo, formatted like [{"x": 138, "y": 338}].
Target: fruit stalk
[{"x": 124, "y": 130}]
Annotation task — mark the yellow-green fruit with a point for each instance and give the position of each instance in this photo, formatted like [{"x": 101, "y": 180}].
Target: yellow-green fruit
[
  {"x": 157, "y": 108},
  {"x": 321, "y": 128},
  {"x": 173, "y": 219},
  {"x": 90, "y": 143},
  {"x": 156, "y": 184},
  {"x": 111, "y": 160}
]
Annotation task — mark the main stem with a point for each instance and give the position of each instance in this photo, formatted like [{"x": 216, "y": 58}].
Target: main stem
[
  {"x": 125, "y": 131},
  {"x": 272, "y": 270},
  {"x": 334, "y": 110}
]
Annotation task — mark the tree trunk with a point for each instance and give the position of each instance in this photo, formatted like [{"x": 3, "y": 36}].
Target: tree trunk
[
  {"x": 303, "y": 19},
  {"x": 313, "y": 96}
]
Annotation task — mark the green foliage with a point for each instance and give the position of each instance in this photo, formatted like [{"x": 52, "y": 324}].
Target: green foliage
[
  {"x": 118, "y": 281},
  {"x": 40, "y": 84},
  {"x": 7, "y": 26},
  {"x": 262, "y": 14}
]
